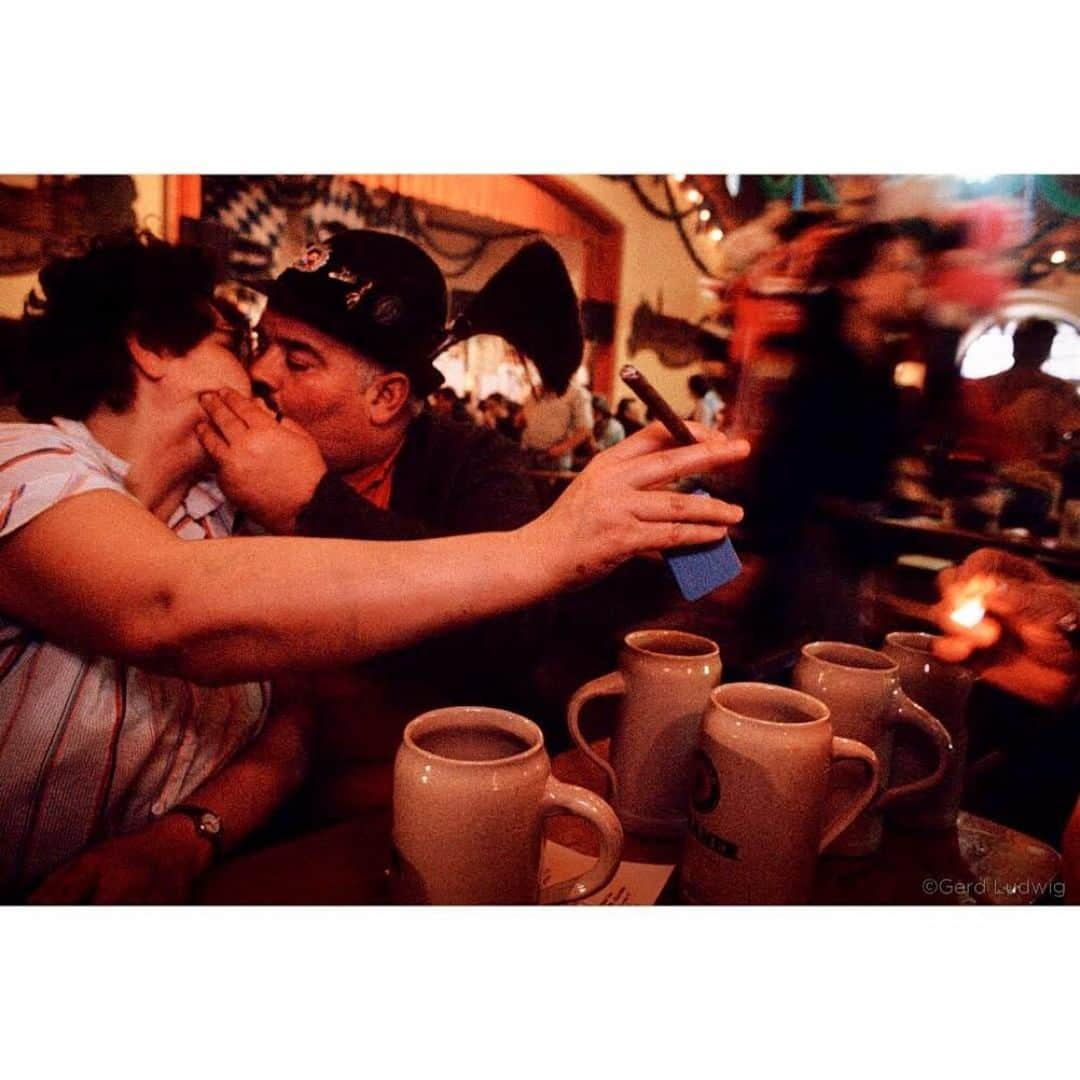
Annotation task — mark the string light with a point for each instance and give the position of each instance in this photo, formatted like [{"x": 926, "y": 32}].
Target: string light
[
  {"x": 716, "y": 234},
  {"x": 1058, "y": 257},
  {"x": 694, "y": 196},
  {"x": 678, "y": 177},
  {"x": 704, "y": 214}
]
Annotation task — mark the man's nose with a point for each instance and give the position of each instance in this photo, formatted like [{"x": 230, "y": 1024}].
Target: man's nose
[{"x": 267, "y": 367}]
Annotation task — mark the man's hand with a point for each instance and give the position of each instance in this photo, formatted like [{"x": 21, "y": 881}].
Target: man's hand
[
  {"x": 266, "y": 468},
  {"x": 1019, "y": 641},
  {"x": 615, "y": 508},
  {"x": 156, "y": 865}
]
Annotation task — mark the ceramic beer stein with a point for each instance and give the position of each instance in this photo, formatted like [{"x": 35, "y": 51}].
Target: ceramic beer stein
[
  {"x": 758, "y": 816},
  {"x": 472, "y": 787},
  {"x": 664, "y": 679},
  {"x": 861, "y": 688},
  {"x": 943, "y": 689}
]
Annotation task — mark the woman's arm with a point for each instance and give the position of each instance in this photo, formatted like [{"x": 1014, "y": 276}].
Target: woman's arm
[
  {"x": 101, "y": 575},
  {"x": 160, "y": 863}
]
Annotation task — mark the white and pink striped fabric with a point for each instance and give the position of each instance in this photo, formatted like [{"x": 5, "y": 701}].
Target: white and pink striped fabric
[{"x": 91, "y": 747}]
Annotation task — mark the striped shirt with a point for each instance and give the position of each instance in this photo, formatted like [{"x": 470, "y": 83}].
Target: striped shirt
[{"x": 91, "y": 747}]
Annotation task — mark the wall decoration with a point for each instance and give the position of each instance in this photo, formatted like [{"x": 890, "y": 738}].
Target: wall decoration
[
  {"x": 45, "y": 216},
  {"x": 676, "y": 342},
  {"x": 261, "y": 224}
]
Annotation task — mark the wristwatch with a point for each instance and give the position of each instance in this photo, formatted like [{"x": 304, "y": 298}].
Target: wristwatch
[{"x": 207, "y": 823}]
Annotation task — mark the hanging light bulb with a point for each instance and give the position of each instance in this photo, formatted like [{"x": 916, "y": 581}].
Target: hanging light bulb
[
  {"x": 704, "y": 214},
  {"x": 694, "y": 196},
  {"x": 678, "y": 178},
  {"x": 716, "y": 234},
  {"x": 1059, "y": 256}
]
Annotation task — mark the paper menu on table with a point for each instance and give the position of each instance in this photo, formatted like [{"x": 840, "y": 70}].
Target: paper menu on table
[{"x": 634, "y": 883}]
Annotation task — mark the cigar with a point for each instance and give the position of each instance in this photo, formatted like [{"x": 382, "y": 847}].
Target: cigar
[
  {"x": 697, "y": 570},
  {"x": 657, "y": 405}
]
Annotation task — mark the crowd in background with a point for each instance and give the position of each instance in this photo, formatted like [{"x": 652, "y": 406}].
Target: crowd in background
[{"x": 567, "y": 430}]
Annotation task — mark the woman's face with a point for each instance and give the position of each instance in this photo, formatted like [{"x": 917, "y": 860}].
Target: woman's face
[
  {"x": 891, "y": 290},
  {"x": 212, "y": 364}
]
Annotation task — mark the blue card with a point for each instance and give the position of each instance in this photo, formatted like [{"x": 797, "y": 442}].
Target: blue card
[{"x": 699, "y": 570}]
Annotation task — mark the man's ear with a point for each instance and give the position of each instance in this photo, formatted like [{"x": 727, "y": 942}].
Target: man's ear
[
  {"x": 390, "y": 394},
  {"x": 149, "y": 363}
]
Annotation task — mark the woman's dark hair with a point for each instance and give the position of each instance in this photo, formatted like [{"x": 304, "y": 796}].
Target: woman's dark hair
[
  {"x": 11, "y": 337},
  {"x": 74, "y": 356}
]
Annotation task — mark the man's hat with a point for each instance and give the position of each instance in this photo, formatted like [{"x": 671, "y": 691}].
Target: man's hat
[
  {"x": 383, "y": 296},
  {"x": 375, "y": 292}
]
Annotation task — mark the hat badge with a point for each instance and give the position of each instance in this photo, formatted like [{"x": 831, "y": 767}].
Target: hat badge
[
  {"x": 315, "y": 258},
  {"x": 354, "y": 296},
  {"x": 388, "y": 309},
  {"x": 343, "y": 274}
]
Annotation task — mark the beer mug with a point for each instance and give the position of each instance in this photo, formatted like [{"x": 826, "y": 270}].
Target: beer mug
[
  {"x": 664, "y": 679},
  {"x": 944, "y": 689},
  {"x": 861, "y": 687},
  {"x": 758, "y": 808},
  {"x": 472, "y": 787}
]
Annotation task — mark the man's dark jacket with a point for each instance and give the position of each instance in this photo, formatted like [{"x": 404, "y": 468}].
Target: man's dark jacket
[{"x": 449, "y": 479}]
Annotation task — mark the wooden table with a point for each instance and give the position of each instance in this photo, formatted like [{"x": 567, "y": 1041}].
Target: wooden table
[
  {"x": 979, "y": 862},
  {"x": 344, "y": 864}
]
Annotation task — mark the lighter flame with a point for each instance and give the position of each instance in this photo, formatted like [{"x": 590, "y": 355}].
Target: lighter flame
[{"x": 968, "y": 613}]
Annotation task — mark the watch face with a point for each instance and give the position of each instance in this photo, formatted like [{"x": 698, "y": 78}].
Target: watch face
[{"x": 210, "y": 823}]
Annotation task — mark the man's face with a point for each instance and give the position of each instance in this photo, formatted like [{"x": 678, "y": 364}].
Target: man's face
[
  {"x": 322, "y": 385},
  {"x": 891, "y": 289}
]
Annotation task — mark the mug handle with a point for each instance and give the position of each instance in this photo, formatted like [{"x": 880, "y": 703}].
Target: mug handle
[
  {"x": 914, "y": 715},
  {"x": 852, "y": 749},
  {"x": 585, "y": 804},
  {"x": 605, "y": 686}
]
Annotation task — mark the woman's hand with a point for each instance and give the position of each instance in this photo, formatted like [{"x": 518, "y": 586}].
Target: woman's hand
[
  {"x": 156, "y": 865},
  {"x": 614, "y": 509},
  {"x": 1020, "y": 638}
]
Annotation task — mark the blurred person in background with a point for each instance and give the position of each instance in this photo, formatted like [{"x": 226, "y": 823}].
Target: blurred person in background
[
  {"x": 555, "y": 425},
  {"x": 629, "y": 414},
  {"x": 708, "y": 405},
  {"x": 498, "y": 413},
  {"x": 1021, "y": 414},
  {"x": 837, "y": 425},
  {"x": 607, "y": 431},
  {"x": 444, "y": 402}
]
